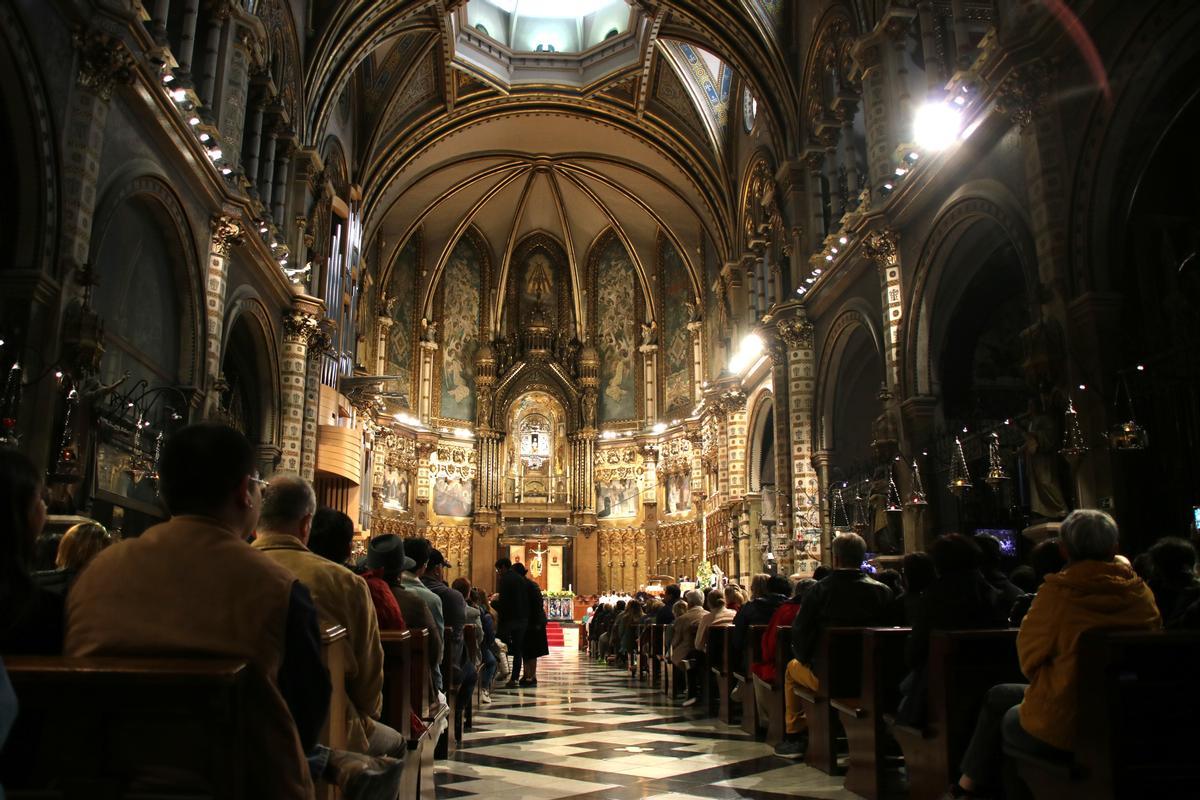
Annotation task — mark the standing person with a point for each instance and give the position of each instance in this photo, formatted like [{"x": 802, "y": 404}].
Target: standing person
[
  {"x": 513, "y": 607},
  {"x": 536, "y": 644},
  {"x": 454, "y": 611},
  {"x": 284, "y": 524},
  {"x": 197, "y": 574},
  {"x": 31, "y": 617}
]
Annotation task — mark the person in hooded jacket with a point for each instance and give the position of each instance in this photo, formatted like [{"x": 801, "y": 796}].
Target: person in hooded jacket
[{"x": 1094, "y": 590}]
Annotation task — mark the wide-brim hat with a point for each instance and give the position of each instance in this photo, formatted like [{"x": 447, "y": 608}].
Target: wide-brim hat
[
  {"x": 386, "y": 552},
  {"x": 437, "y": 559}
]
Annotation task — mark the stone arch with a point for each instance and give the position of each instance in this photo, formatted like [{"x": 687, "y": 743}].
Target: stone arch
[
  {"x": 138, "y": 183},
  {"x": 33, "y": 166},
  {"x": 540, "y": 378},
  {"x": 982, "y": 213},
  {"x": 855, "y": 316},
  {"x": 761, "y": 424},
  {"x": 246, "y": 309}
]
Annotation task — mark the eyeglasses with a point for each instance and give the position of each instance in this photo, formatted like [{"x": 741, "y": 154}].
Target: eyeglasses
[{"x": 261, "y": 483}]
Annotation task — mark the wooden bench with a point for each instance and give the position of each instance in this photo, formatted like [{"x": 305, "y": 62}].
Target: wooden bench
[
  {"x": 335, "y": 653},
  {"x": 471, "y": 644},
  {"x": 130, "y": 728},
  {"x": 839, "y": 675},
  {"x": 407, "y": 686},
  {"x": 1135, "y": 728},
  {"x": 663, "y": 656},
  {"x": 962, "y": 666},
  {"x": 719, "y": 664},
  {"x": 872, "y": 749},
  {"x": 656, "y": 648},
  {"x": 742, "y": 673},
  {"x": 776, "y": 721}
]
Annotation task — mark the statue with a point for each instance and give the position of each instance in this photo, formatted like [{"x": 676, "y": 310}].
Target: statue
[
  {"x": 649, "y": 333},
  {"x": 428, "y": 330},
  {"x": 1046, "y": 497},
  {"x": 589, "y": 408},
  {"x": 693, "y": 310}
]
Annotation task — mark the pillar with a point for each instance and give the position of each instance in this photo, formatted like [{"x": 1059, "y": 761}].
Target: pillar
[
  {"x": 300, "y": 323},
  {"x": 266, "y": 178},
  {"x": 318, "y": 344},
  {"x": 796, "y": 341},
  {"x": 187, "y": 35},
  {"x": 254, "y": 138},
  {"x": 425, "y": 387},
  {"x": 650, "y": 380},
  {"x": 218, "y": 13},
  {"x": 283, "y": 154},
  {"x": 158, "y": 21},
  {"x": 821, "y": 462},
  {"x": 882, "y": 247},
  {"x": 226, "y": 233}
]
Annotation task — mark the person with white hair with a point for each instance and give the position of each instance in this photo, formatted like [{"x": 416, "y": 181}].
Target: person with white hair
[
  {"x": 1094, "y": 590},
  {"x": 683, "y": 638}
]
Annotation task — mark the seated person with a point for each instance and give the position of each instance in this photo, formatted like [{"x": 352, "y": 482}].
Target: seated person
[
  {"x": 1093, "y": 591},
  {"x": 764, "y": 661},
  {"x": 1174, "y": 580},
  {"x": 342, "y": 597},
  {"x": 200, "y": 577},
  {"x": 77, "y": 547},
  {"x": 717, "y": 616},
  {"x": 846, "y": 598},
  {"x": 683, "y": 639},
  {"x": 918, "y": 572},
  {"x": 1046, "y": 558},
  {"x": 30, "y": 615},
  {"x": 765, "y": 597},
  {"x": 671, "y": 596},
  {"x": 385, "y": 557},
  {"x": 332, "y": 538}
]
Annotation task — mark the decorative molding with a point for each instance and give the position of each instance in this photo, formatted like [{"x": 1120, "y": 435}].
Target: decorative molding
[
  {"x": 104, "y": 62},
  {"x": 227, "y": 233}
]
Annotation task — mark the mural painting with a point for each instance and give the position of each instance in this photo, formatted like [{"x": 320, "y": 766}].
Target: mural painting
[
  {"x": 676, "y": 351},
  {"x": 617, "y": 498},
  {"x": 453, "y": 496},
  {"x": 460, "y": 315},
  {"x": 679, "y": 493},
  {"x": 616, "y": 332},
  {"x": 399, "y": 300},
  {"x": 539, "y": 286},
  {"x": 395, "y": 490}
]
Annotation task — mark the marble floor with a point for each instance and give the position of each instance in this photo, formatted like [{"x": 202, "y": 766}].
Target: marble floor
[{"x": 589, "y": 732}]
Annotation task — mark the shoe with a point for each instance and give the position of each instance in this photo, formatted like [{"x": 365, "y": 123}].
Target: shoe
[
  {"x": 791, "y": 748},
  {"x": 366, "y": 777},
  {"x": 691, "y": 701},
  {"x": 486, "y": 698},
  {"x": 531, "y": 682},
  {"x": 512, "y": 685}
]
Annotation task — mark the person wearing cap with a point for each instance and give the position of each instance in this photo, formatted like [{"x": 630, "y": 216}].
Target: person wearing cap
[
  {"x": 284, "y": 524},
  {"x": 386, "y": 554},
  {"x": 454, "y": 611}
]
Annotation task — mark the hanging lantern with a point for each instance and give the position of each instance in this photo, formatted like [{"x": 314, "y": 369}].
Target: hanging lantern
[
  {"x": 1073, "y": 445},
  {"x": 860, "y": 523},
  {"x": 960, "y": 476},
  {"x": 996, "y": 474},
  {"x": 839, "y": 510},
  {"x": 893, "y": 494},
  {"x": 916, "y": 496},
  {"x": 9, "y": 404},
  {"x": 1128, "y": 435}
]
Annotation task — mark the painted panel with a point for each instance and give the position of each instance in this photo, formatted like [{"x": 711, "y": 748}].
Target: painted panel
[
  {"x": 676, "y": 339},
  {"x": 401, "y": 298},
  {"x": 679, "y": 493},
  {"x": 453, "y": 496},
  {"x": 617, "y": 498},
  {"x": 460, "y": 325},
  {"x": 616, "y": 332}
]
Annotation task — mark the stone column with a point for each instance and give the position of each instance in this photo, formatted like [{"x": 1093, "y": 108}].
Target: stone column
[
  {"x": 300, "y": 322},
  {"x": 253, "y": 143},
  {"x": 814, "y": 160},
  {"x": 266, "y": 178},
  {"x": 882, "y": 248},
  {"x": 650, "y": 380},
  {"x": 226, "y": 234},
  {"x": 218, "y": 12},
  {"x": 426, "y": 446},
  {"x": 283, "y": 155},
  {"x": 425, "y": 387},
  {"x": 796, "y": 340},
  {"x": 318, "y": 344},
  {"x": 383, "y": 332},
  {"x": 821, "y": 461},
  {"x": 233, "y": 98},
  {"x": 739, "y": 314},
  {"x": 187, "y": 35},
  {"x": 849, "y": 156},
  {"x": 158, "y": 18},
  {"x": 933, "y": 65}
]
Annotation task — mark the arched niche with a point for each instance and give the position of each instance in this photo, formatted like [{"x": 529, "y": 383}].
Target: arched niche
[
  {"x": 537, "y": 449},
  {"x": 147, "y": 292},
  {"x": 851, "y": 363},
  {"x": 539, "y": 272},
  {"x": 761, "y": 463},
  {"x": 250, "y": 373}
]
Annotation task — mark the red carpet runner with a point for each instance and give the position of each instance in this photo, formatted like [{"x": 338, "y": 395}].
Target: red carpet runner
[{"x": 554, "y": 634}]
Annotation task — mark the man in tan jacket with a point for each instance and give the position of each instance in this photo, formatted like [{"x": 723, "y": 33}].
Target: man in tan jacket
[{"x": 342, "y": 598}]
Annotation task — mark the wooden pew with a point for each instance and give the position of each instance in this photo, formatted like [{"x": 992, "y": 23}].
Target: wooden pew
[
  {"x": 750, "y": 720},
  {"x": 450, "y": 685},
  {"x": 656, "y": 648},
  {"x": 334, "y": 655},
  {"x": 130, "y": 727},
  {"x": 667, "y": 669},
  {"x": 644, "y": 659},
  {"x": 1135, "y": 728},
  {"x": 963, "y": 665},
  {"x": 719, "y": 663},
  {"x": 472, "y": 647},
  {"x": 398, "y": 680},
  {"x": 776, "y": 720},
  {"x": 839, "y": 674},
  {"x": 871, "y": 747}
]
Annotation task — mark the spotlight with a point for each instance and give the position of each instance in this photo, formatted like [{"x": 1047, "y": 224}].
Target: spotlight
[
  {"x": 901, "y": 172},
  {"x": 659, "y": 427},
  {"x": 833, "y": 250},
  {"x": 842, "y": 240},
  {"x": 214, "y": 154},
  {"x": 817, "y": 271},
  {"x": 829, "y": 258},
  {"x": 1140, "y": 367},
  {"x": 180, "y": 95},
  {"x": 936, "y": 126},
  {"x": 204, "y": 137},
  {"x": 167, "y": 77},
  {"x": 226, "y": 171},
  {"x": 887, "y": 187},
  {"x": 810, "y": 279},
  {"x": 1082, "y": 388},
  {"x": 194, "y": 121}
]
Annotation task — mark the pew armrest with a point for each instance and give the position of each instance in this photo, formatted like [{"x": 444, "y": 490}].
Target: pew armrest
[
  {"x": 907, "y": 731},
  {"x": 851, "y": 706},
  {"x": 805, "y": 694}
]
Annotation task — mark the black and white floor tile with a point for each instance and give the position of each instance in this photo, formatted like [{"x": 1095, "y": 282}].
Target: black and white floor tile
[{"x": 589, "y": 732}]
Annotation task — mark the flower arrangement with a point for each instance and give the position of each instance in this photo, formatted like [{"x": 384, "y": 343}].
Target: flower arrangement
[{"x": 704, "y": 575}]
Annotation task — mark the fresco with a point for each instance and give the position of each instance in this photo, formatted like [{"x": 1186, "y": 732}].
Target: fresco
[
  {"x": 679, "y": 493},
  {"x": 395, "y": 490},
  {"x": 453, "y": 496},
  {"x": 616, "y": 499},
  {"x": 401, "y": 296},
  {"x": 616, "y": 332},
  {"x": 460, "y": 330},
  {"x": 538, "y": 285},
  {"x": 675, "y": 348}
]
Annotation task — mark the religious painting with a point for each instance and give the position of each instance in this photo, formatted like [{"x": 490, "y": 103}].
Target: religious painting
[
  {"x": 399, "y": 302},
  {"x": 616, "y": 330},
  {"x": 676, "y": 343},
  {"x": 453, "y": 496},
  {"x": 460, "y": 329},
  {"x": 679, "y": 493},
  {"x": 395, "y": 490},
  {"x": 617, "y": 498},
  {"x": 539, "y": 287}
]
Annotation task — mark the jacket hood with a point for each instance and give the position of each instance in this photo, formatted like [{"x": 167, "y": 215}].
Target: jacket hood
[{"x": 1099, "y": 585}]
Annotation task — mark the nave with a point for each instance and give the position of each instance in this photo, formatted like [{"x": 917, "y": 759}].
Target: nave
[{"x": 587, "y": 732}]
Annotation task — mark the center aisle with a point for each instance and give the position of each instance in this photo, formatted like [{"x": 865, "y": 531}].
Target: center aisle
[{"x": 589, "y": 732}]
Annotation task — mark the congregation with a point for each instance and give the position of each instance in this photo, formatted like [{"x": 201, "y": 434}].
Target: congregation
[
  {"x": 771, "y": 658},
  {"x": 253, "y": 570}
]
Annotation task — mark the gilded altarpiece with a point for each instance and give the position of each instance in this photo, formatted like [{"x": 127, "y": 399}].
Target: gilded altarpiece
[
  {"x": 679, "y": 549},
  {"x": 622, "y": 559}
]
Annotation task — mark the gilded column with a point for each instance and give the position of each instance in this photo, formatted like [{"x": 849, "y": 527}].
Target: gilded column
[
  {"x": 226, "y": 234},
  {"x": 299, "y": 324}
]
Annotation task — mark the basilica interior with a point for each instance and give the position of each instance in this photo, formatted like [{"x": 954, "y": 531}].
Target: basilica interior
[{"x": 647, "y": 288}]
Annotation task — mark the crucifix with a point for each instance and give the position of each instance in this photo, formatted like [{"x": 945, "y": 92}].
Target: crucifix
[{"x": 537, "y": 557}]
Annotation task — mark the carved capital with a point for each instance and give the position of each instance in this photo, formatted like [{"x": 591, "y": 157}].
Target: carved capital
[
  {"x": 732, "y": 401},
  {"x": 104, "y": 62},
  {"x": 796, "y": 333},
  {"x": 299, "y": 324},
  {"x": 320, "y": 337},
  {"x": 1023, "y": 91},
  {"x": 881, "y": 247},
  {"x": 227, "y": 233}
]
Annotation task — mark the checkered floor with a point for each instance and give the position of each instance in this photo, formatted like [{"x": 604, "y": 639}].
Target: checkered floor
[{"x": 590, "y": 732}]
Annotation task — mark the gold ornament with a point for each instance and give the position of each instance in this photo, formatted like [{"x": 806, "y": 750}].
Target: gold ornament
[{"x": 996, "y": 474}]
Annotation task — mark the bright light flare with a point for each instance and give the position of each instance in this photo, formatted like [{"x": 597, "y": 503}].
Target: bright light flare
[{"x": 936, "y": 126}]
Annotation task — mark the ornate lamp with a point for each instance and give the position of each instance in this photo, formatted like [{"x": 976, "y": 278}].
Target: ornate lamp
[
  {"x": 1074, "y": 445},
  {"x": 996, "y": 474},
  {"x": 960, "y": 476},
  {"x": 916, "y": 496},
  {"x": 1128, "y": 435}
]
